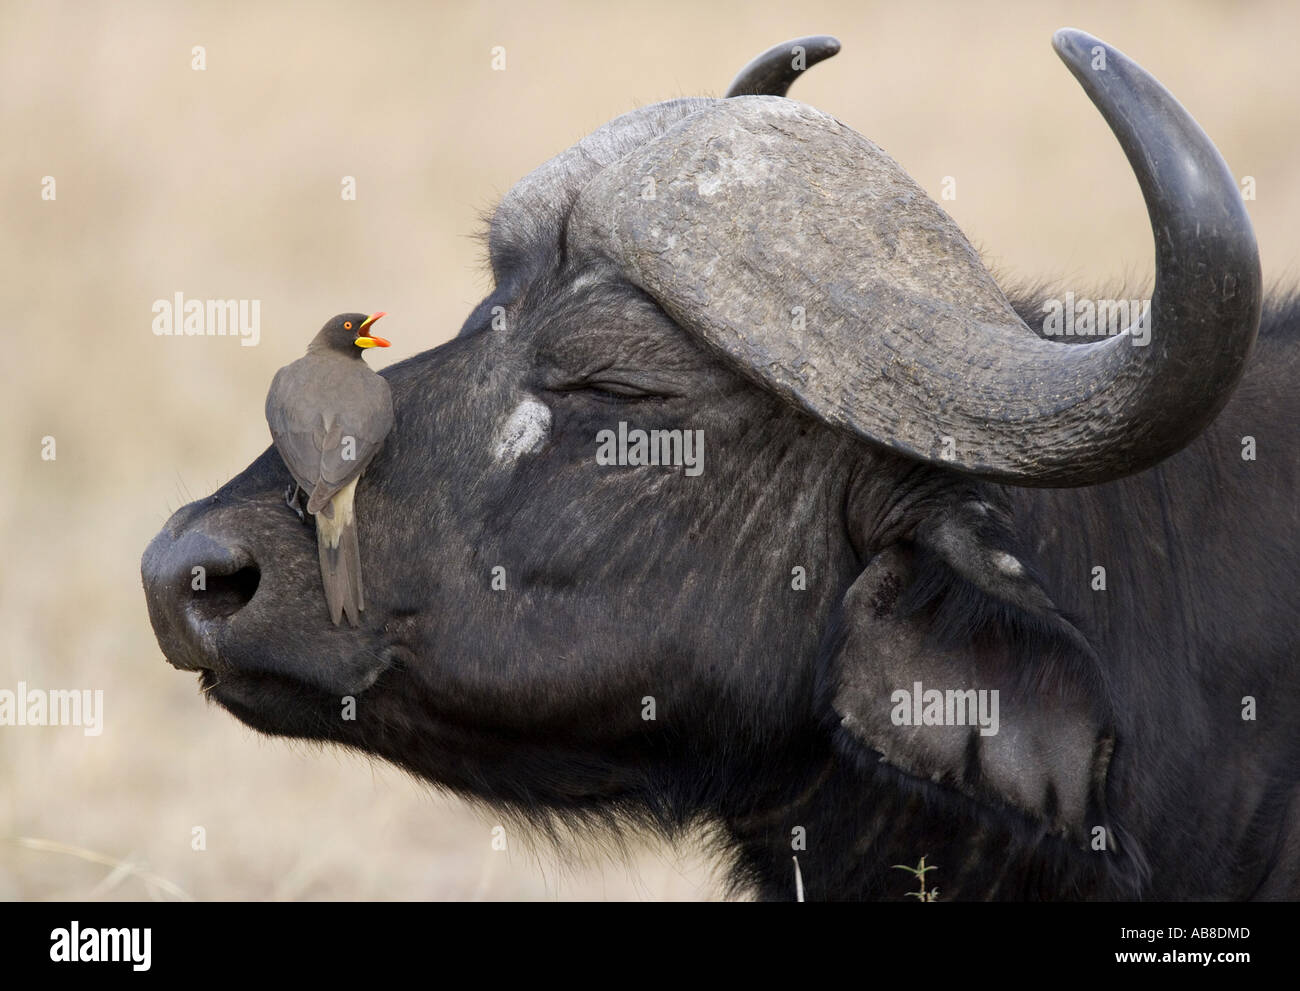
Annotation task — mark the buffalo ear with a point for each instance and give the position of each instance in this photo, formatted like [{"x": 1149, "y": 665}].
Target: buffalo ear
[{"x": 947, "y": 613}]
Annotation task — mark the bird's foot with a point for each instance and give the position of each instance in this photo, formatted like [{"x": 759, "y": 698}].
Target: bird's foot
[{"x": 291, "y": 500}]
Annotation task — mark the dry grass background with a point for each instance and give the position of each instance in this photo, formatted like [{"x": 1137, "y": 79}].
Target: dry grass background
[{"x": 225, "y": 183}]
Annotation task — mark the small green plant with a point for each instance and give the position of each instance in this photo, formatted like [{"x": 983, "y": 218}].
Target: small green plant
[{"x": 919, "y": 872}]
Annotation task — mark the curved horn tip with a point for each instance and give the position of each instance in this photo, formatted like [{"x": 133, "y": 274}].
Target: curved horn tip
[
  {"x": 1072, "y": 44},
  {"x": 771, "y": 74},
  {"x": 1079, "y": 50},
  {"x": 827, "y": 43}
]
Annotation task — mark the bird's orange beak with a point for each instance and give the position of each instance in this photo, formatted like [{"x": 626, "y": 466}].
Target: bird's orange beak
[{"x": 370, "y": 340}]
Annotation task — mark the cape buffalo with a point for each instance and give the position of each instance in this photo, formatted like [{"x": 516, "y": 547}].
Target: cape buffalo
[{"x": 948, "y": 583}]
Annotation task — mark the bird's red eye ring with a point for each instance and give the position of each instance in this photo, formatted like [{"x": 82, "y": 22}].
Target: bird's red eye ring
[{"x": 347, "y": 325}]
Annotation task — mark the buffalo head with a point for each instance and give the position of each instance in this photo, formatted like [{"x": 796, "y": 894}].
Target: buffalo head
[{"x": 770, "y": 292}]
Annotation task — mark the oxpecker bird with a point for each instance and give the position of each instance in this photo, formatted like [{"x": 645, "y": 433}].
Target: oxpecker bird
[{"x": 329, "y": 415}]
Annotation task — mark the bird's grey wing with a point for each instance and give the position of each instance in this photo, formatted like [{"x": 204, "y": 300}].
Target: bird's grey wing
[
  {"x": 297, "y": 429},
  {"x": 327, "y": 440},
  {"x": 364, "y": 421}
]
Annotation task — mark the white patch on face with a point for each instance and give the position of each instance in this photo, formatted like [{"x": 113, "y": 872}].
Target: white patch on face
[
  {"x": 1007, "y": 564},
  {"x": 524, "y": 432}
]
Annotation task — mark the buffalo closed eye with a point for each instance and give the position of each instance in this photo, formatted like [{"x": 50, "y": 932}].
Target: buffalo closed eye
[{"x": 619, "y": 391}]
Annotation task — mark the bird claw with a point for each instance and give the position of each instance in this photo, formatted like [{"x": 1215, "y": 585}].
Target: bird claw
[{"x": 291, "y": 500}]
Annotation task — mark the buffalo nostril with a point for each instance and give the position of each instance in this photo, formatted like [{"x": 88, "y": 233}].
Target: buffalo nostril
[
  {"x": 193, "y": 583},
  {"x": 225, "y": 595}
]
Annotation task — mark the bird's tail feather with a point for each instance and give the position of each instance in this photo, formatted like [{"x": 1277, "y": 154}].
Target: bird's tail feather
[{"x": 340, "y": 558}]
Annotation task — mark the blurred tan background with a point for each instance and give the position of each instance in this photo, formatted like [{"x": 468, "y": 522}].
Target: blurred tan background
[{"x": 225, "y": 183}]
